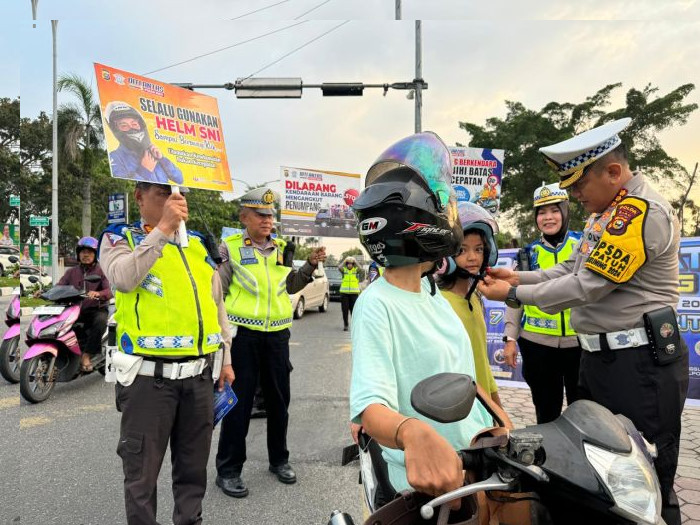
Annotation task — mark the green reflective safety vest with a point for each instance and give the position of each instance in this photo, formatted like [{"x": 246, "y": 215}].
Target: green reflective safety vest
[
  {"x": 257, "y": 297},
  {"x": 172, "y": 312},
  {"x": 543, "y": 257},
  {"x": 351, "y": 280}
]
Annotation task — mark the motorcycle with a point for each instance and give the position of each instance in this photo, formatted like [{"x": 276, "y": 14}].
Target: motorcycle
[
  {"x": 53, "y": 353},
  {"x": 9, "y": 348},
  {"x": 587, "y": 466}
]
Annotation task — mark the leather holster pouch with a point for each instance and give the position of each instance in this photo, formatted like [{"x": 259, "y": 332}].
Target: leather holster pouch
[{"x": 664, "y": 335}]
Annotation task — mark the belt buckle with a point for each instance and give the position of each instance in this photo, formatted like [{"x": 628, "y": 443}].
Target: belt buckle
[{"x": 186, "y": 369}]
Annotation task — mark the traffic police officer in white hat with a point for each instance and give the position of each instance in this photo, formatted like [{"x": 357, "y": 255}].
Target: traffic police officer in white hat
[
  {"x": 622, "y": 287},
  {"x": 257, "y": 284}
]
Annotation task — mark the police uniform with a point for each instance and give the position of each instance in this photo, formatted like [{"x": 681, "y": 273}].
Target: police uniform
[
  {"x": 625, "y": 266},
  {"x": 349, "y": 288},
  {"x": 257, "y": 287},
  {"x": 170, "y": 322},
  {"x": 547, "y": 342}
]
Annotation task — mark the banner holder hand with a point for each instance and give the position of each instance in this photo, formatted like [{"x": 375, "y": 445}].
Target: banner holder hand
[{"x": 182, "y": 229}]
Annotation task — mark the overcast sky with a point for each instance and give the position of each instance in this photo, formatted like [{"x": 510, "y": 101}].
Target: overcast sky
[{"x": 475, "y": 56}]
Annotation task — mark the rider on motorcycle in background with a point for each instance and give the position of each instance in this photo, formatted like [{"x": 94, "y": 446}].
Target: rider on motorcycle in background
[{"x": 92, "y": 322}]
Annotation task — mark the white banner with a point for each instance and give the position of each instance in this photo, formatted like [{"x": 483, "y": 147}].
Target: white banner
[
  {"x": 477, "y": 175},
  {"x": 317, "y": 203}
]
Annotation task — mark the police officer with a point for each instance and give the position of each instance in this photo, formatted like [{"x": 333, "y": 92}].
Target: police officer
[
  {"x": 257, "y": 285},
  {"x": 349, "y": 287},
  {"x": 623, "y": 276},
  {"x": 549, "y": 347},
  {"x": 171, "y": 320}
]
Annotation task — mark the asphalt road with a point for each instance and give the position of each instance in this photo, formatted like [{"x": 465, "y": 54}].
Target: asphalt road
[{"x": 58, "y": 462}]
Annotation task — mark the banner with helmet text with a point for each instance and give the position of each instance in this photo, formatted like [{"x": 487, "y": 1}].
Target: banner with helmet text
[
  {"x": 160, "y": 133},
  {"x": 477, "y": 175},
  {"x": 318, "y": 203},
  {"x": 688, "y": 320}
]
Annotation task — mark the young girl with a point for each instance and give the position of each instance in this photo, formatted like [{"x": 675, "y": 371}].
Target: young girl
[
  {"x": 404, "y": 330},
  {"x": 458, "y": 284}
]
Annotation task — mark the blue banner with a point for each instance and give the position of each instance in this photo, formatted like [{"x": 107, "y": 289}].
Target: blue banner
[
  {"x": 688, "y": 317},
  {"x": 116, "y": 211}
]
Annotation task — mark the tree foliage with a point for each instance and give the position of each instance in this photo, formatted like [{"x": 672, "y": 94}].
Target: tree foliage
[{"x": 523, "y": 131}]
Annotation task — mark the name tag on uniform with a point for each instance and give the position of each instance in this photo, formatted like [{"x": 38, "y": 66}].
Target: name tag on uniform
[{"x": 248, "y": 255}]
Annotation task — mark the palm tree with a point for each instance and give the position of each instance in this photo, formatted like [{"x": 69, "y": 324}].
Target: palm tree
[{"x": 80, "y": 134}]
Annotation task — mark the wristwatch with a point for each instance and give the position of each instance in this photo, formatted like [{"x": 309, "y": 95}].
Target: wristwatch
[
  {"x": 506, "y": 339},
  {"x": 512, "y": 299}
]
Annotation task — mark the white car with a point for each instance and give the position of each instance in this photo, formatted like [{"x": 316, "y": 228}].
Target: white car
[
  {"x": 5, "y": 253},
  {"x": 25, "y": 272},
  {"x": 314, "y": 295}
]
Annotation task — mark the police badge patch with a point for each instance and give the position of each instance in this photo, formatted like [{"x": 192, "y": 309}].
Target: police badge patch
[{"x": 248, "y": 255}]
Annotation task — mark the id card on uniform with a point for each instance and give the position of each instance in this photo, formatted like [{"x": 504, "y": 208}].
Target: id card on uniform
[
  {"x": 248, "y": 255},
  {"x": 224, "y": 401}
]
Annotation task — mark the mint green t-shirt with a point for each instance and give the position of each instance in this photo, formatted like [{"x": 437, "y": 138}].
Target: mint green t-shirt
[{"x": 398, "y": 339}]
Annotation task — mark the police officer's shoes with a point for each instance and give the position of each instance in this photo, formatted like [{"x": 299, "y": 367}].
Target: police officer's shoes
[
  {"x": 233, "y": 487},
  {"x": 284, "y": 473}
]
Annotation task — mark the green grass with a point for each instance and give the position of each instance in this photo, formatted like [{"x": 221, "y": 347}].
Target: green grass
[
  {"x": 32, "y": 301},
  {"x": 8, "y": 281}
]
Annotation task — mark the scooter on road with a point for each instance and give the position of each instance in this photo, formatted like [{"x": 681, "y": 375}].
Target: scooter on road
[
  {"x": 9, "y": 347},
  {"x": 53, "y": 353},
  {"x": 589, "y": 466}
]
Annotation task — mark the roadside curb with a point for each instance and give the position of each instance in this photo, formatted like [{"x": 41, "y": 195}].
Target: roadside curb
[
  {"x": 26, "y": 310},
  {"x": 6, "y": 290}
]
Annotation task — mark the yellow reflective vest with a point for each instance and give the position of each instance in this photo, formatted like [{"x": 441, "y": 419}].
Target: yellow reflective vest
[
  {"x": 257, "y": 297},
  {"x": 351, "y": 280},
  {"x": 172, "y": 312},
  {"x": 543, "y": 257}
]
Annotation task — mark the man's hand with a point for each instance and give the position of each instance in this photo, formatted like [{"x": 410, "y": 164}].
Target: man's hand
[
  {"x": 93, "y": 295},
  {"x": 227, "y": 376},
  {"x": 494, "y": 289},
  {"x": 504, "y": 274},
  {"x": 149, "y": 161},
  {"x": 510, "y": 352},
  {"x": 174, "y": 211},
  {"x": 317, "y": 255},
  {"x": 432, "y": 465},
  {"x": 155, "y": 152},
  {"x": 355, "y": 431}
]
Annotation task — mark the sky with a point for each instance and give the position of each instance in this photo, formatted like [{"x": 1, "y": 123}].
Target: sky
[{"x": 475, "y": 56}]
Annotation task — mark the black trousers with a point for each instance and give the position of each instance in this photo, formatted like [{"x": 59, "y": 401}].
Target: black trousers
[
  {"x": 153, "y": 413},
  {"x": 628, "y": 382},
  {"x": 90, "y": 332},
  {"x": 347, "y": 303},
  {"x": 267, "y": 354},
  {"x": 548, "y": 372}
]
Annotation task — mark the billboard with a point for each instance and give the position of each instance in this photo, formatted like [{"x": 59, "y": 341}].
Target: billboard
[
  {"x": 477, "y": 175},
  {"x": 160, "y": 133},
  {"x": 318, "y": 203}
]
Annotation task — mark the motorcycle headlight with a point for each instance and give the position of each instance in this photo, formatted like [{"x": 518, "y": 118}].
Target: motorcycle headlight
[
  {"x": 51, "y": 331},
  {"x": 631, "y": 479}
]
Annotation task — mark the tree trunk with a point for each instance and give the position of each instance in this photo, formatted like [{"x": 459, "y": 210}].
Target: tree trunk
[{"x": 87, "y": 206}]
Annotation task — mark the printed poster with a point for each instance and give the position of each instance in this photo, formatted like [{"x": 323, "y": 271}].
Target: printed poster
[
  {"x": 318, "y": 203},
  {"x": 477, "y": 175},
  {"x": 160, "y": 133}
]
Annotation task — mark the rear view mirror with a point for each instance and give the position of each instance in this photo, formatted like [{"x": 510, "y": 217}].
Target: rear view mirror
[
  {"x": 13, "y": 259},
  {"x": 33, "y": 279},
  {"x": 445, "y": 397}
]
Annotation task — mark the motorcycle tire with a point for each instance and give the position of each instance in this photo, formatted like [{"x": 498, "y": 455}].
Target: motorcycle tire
[
  {"x": 10, "y": 359},
  {"x": 33, "y": 384}
]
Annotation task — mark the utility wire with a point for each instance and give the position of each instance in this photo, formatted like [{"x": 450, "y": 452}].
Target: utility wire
[
  {"x": 227, "y": 47},
  {"x": 312, "y": 9},
  {"x": 258, "y": 10},
  {"x": 297, "y": 49}
]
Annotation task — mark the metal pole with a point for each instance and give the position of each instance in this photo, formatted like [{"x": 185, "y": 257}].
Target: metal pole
[
  {"x": 54, "y": 166},
  {"x": 419, "y": 77},
  {"x": 398, "y": 9},
  {"x": 41, "y": 257},
  {"x": 35, "y": 5}
]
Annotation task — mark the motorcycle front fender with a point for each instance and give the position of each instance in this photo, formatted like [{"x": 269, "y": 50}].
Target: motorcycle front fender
[
  {"x": 40, "y": 348},
  {"x": 12, "y": 332}
]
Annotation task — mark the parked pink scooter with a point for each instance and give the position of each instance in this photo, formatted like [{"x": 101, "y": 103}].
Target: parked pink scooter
[
  {"x": 54, "y": 353},
  {"x": 9, "y": 348}
]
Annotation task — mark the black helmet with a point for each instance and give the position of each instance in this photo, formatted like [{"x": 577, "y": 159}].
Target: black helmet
[
  {"x": 407, "y": 213},
  {"x": 136, "y": 140}
]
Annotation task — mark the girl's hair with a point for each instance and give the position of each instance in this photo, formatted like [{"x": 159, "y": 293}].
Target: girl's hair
[{"x": 447, "y": 281}]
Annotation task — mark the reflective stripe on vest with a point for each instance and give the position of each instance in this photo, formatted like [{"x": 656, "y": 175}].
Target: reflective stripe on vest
[
  {"x": 171, "y": 312},
  {"x": 535, "y": 320},
  {"x": 351, "y": 281},
  {"x": 257, "y": 297}
]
